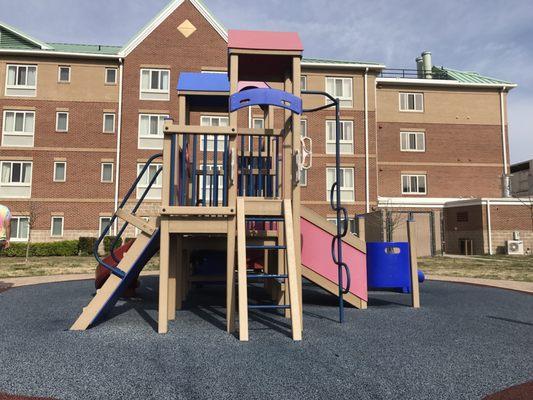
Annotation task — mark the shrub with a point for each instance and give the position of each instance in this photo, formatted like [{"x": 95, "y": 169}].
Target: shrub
[
  {"x": 51, "y": 249},
  {"x": 108, "y": 241},
  {"x": 86, "y": 245}
]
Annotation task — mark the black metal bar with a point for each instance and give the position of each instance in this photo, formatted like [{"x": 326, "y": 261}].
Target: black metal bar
[
  {"x": 204, "y": 188},
  {"x": 215, "y": 172},
  {"x": 194, "y": 177},
  {"x": 225, "y": 168}
]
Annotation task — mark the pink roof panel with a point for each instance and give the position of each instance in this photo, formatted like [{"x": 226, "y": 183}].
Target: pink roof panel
[{"x": 264, "y": 40}]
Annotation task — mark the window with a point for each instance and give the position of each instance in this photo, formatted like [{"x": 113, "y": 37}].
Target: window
[
  {"x": 412, "y": 102},
  {"x": 155, "y": 84},
  {"x": 210, "y": 185},
  {"x": 21, "y": 80},
  {"x": 16, "y": 173},
  {"x": 303, "y": 82},
  {"x": 106, "y": 175},
  {"x": 346, "y": 183},
  {"x": 56, "y": 227},
  {"x": 111, "y": 76},
  {"x": 352, "y": 226},
  {"x": 155, "y": 192},
  {"x": 109, "y": 123},
  {"x": 62, "y": 121},
  {"x": 151, "y": 131},
  {"x": 341, "y": 88},
  {"x": 18, "y": 129},
  {"x": 258, "y": 123},
  {"x": 104, "y": 223},
  {"x": 213, "y": 121},
  {"x": 412, "y": 141},
  {"x": 414, "y": 184},
  {"x": 63, "y": 74},
  {"x": 60, "y": 171},
  {"x": 346, "y": 137},
  {"x": 20, "y": 229},
  {"x": 462, "y": 216}
]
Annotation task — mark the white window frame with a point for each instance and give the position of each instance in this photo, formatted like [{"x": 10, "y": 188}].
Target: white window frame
[
  {"x": 304, "y": 176},
  {"x": 17, "y": 86},
  {"x": 14, "y": 132},
  {"x": 114, "y": 122},
  {"x": 351, "y": 221},
  {"x": 345, "y": 98},
  {"x": 150, "y": 90},
  {"x": 14, "y": 235},
  {"x": 417, "y": 135},
  {"x": 409, "y": 177},
  {"x": 211, "y": 138},
  {"x": 414, "y": 94},
  {"x": 303, "y": 128},
  {"x": 55, "y": 171},
  {"x": 303, "y": 82},
  {"x": 160, "y": 134},
  {"x": 211, "y": 185},
  {"x": 18, "y": 184},
  {"x": 102, "y": 172},
  {"x": 116, "y": 76},
  {"x": 57, "y": 121},
  {"x": 345, "y": 189},
  {"x": 111, "y": 231},
  {"x": 52, "y": 225},
  {"x": 59, "y": 68},
  {"x": 145, "y": 180},
  {"x": 343, "y": 142}
]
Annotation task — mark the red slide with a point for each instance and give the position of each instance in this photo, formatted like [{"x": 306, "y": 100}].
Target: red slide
[{"x": 103, "y": 273}]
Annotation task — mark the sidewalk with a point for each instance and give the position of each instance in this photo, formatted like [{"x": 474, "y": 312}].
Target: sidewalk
[{"x": 526, "y": 287}]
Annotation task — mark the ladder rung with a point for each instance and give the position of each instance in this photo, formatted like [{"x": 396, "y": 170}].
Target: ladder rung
[
  {"x": 265, "y": 219},
  {"x": 263, "y": 247},
  {"x": 267, "y": 276},
  {"x": 268, "y": 306}
]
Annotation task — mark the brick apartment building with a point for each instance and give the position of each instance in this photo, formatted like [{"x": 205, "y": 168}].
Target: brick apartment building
[{"x": 78, "y": 121}]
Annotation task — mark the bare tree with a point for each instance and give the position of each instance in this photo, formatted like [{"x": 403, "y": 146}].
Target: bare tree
[
  {"x": 527, "y": 201},
  {"x": 388, "y": 221},
  {"x": 33, "y": 215}
]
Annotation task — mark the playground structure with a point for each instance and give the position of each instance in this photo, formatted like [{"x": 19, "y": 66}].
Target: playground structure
[{"x": 236, "y": 188}]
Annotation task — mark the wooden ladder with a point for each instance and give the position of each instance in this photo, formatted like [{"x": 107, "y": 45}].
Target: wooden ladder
[{"x": 291, "y": 275}]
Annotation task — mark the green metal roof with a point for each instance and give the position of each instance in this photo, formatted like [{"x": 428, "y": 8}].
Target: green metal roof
[
  {"x": 469, "y": 77},
  {"x": 338, "y": 62},
  {"x": 85, "y": 48}
]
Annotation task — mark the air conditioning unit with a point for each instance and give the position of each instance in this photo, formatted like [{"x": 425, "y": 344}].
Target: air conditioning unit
[{"x": 515, "y": 247}]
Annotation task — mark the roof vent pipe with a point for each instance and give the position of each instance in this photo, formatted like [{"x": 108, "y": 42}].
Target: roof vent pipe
[
  {"x": 428, "y": 65},
  {"x": 419, "y": 68}
]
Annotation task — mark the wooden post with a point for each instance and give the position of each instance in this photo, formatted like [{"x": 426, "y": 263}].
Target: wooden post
[
  {"x": 411, "y": 235},
  {"x": 242, "y": 284},
  {"x": 361, "y": 228},
  {"x": 172, "y": 269},
  {"x": 163, "y": 278}
]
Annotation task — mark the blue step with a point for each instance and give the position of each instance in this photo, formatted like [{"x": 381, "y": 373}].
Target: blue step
[
  {"x": 267, "y": 276},
  {"x": 263, "y": 247},
  {"x": 268, "y": 306}
]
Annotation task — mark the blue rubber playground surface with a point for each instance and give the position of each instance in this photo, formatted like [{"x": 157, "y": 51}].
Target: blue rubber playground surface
[{"x": 466, "y": 342}]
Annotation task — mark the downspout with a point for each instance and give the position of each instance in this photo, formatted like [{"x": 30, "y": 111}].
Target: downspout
[
  {"x": 504, "y": 140},
  {"x": 367, "y": 172},
  {"x": 489, "y": 227},
  {"x": 119, "y": 135}
]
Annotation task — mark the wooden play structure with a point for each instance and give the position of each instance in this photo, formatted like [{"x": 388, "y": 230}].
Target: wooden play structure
[{"x": 227, "y": 186}]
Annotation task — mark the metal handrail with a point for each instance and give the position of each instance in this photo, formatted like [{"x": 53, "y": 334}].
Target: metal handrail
[
  {"x": 341, "y": 213},
  {"x": 114, "y": 270}
]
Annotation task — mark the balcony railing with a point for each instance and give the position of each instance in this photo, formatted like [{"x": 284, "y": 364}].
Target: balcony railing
[{"x": 413, "y": 74}]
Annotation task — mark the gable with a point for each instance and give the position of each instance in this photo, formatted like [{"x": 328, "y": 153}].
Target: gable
[
  {"x": 166, "y": 13},
  {"x": 10, "y": 40}
]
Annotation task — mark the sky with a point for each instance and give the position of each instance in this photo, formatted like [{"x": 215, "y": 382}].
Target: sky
[{"x": 492, "y": 37}]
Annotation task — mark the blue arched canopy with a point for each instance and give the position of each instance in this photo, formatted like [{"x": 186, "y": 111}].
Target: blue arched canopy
[{"x": 264, "y": 97}]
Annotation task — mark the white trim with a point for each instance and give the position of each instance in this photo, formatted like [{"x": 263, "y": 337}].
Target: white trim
[
  {"x": 111, "y": 231},
  {"x": 159, "y": 135},
  {"x": 367, "y": 166},
  {"x": 119, "y": 137},
  {"x": 154, "y": 91},
  {"x": 440, "y": 82},
  {"x": 42, "y": 45},
  {"x": 116, "y": 75},
  {"x": 52, "y": 226},
  {"x": 414, "y": 110},
  {"x": 32, "y": 90},
  {"x": 19, "y": 217},
  {"x": 418, "y": 176},
  {"x": 49, "y": 53},
  {"x": 59, "y": 73},
  {"x": 102, "y": 172},
  {"x": 489, "y": 227},
  {"x": 447, "y": 202},
  {"x": 162, "y": 16},
  {"x": 409, "y": 150},
  {"x": 503, "y": 122},
  {"x": 332, "y": 65},
  {"x": 17, "y": 133},
  {"x": 55, "y": 170},
  {"x": 57, "y": 121},
  {"x": 18, "y": 184},
  {"x": 351, "y": 142}
]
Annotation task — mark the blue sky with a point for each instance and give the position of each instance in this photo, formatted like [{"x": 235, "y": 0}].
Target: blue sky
[{"x": 493, "y": 37}]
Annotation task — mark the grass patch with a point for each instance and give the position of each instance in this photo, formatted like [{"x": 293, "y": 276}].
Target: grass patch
[
  {"x": 15, "y": 267},
  {"x": 502, "y": 267}
]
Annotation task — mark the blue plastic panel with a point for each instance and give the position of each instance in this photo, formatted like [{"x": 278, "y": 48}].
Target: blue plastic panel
[
  {"x": 271, "y": 97},
  {"x": 203, "y": 82}
]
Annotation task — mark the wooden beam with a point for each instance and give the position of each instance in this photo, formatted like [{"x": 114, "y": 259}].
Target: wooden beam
[
  {"x": 139, "y": 223},
  {"x": 242, "y": 280},
  {"x": 196, "y": 225},
  {"x": 171, "y": 129},
  {"x": 411, "y": 236},
  {"x": 189, "y": 211},
  {"x": 163, "y": 278}
]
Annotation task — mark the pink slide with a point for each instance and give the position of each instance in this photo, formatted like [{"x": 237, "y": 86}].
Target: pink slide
[{"x": 318, "y": 265}]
